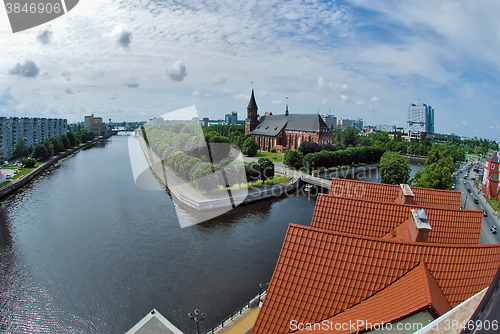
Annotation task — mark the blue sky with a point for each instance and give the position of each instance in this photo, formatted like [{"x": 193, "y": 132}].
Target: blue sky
[{"x": 134, "y": 60}]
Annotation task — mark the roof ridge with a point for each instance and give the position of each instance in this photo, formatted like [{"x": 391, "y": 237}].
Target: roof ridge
[
  {"x": 428, "y": 275},
  {"x": 362, "y": 237},
  {"x": 398, "y": 204}
]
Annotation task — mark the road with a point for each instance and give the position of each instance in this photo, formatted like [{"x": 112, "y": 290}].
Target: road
[{"x": 468, "y": 200}]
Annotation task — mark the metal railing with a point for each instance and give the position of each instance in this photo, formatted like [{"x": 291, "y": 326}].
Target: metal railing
[{"x": 239, "y": 312}]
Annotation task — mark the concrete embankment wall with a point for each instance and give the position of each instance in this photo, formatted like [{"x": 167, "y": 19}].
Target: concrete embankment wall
[{"x": 18, "y": 184}]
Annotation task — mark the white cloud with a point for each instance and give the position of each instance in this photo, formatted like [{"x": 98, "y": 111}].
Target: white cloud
[
  {"x": 208, "y": 95},
  {"x": 219, "y": 80},
  {"x": 321, "y": 83},
  {"x": 344, "y": 98},
  {"x": 66, "y": 75},
  {"x": 464, "y": 122},
  {"x": 360, "y": 103},
  {"x": 324, "y": 101},
  {"x": 28, "y": 69},
  {"x": 241, "y": 96},
  {"x": 375, "y": 99},
  {"x": 227, "y": 91},
  {"x": 44, "y": 35},
  {"x": 131, "y": 83},
  {"x": 276, "y": 102},
  {"x": 196, "y": 93},
  {"x": 177, "y": 72}
]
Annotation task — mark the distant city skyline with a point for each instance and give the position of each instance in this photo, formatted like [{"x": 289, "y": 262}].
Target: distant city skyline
[{"x": 136, "y": 60}]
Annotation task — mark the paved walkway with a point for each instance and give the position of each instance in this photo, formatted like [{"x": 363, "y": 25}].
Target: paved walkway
[{"x": 245, "y": 324}]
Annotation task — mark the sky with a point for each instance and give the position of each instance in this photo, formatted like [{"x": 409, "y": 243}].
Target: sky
[{"x": 132, "y": 60}]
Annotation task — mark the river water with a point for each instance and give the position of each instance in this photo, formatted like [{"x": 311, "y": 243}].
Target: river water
[{"x": 84, "y": 250}]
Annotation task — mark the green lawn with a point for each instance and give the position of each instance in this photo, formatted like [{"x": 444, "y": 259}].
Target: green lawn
[
  {"x": 274, "y": 157},
  {"x": 22, "y": 172},
  {"x": 4, "y": 183},
  {"x": 493, "y": 202}
]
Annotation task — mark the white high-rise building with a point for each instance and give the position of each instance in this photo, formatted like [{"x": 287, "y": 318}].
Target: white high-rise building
[{"x": 421, "y": 118}]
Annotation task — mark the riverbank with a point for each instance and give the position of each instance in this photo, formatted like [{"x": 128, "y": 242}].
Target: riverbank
[{"x": 21, "y": 182}]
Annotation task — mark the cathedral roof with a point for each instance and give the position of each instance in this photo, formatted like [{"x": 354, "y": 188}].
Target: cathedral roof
[{"x": 272, "y": 125}]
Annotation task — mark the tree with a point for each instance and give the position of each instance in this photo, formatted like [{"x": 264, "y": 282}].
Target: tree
[
  {"x": 394, "y": 169},
  {"x": 28, "y": 162},
  {"x": 65, "y": 141},
  {"x": 266, "y": 167},
  {"x": 293, "y": 158},
  {"x": 437, "y": 172},
  {"x": 72, "y": 139},
  {"x": 202, "y": 176},
  {"x": 252, "y": 171},
  {"x": 250, "y": 147},
  {"x": 40, "y": 152},
  {"x": 20, "y": 150}
]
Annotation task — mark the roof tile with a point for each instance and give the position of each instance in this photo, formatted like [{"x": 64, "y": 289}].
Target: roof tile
[{"x": 386, "y": 262}]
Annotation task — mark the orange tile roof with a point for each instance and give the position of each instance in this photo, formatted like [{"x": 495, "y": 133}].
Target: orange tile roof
[
  {"x": 389, "y": 193},
  {"x": 416, "y": 291},
  {"x": 321, "y": 273},
  {"x": 378, "y": 219}
]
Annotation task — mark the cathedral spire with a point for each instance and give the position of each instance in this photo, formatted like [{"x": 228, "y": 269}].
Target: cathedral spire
[
  {"x": 286, "y": 110},
  {"x": 252, "y": 104}
]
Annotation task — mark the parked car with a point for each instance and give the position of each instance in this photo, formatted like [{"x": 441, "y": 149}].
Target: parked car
[
  {"x": 16, "y": 171},
  {"x": 5, "y": 163},
  {"x": 493, "y": 229},
  {"x": 461, "y": 171},
  {"x": 465, "y": 182},
  {"x": 8, "y": 176},
  {"x": 476, "y": 201},
  {"x": 468, "y": 190},
  {"x": 485, "y": 213}
]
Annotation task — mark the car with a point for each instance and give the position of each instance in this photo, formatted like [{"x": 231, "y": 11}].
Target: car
[
  {"x": 468, "y": 190},
  {"x": 8, "y": 176},
  {"x": 473, "y": 179},
  {"x": 16, "y": 171},
  {"x": 493, "y": 229},
  {"x": 5, "y": 163},
  {"x": 453, "y": 187},
  {"x": 465, "y": 182},
  {"x": 485, "y": 213},
  {"x": 476, "y": 201},
  {"x": 461, "y": 171}
]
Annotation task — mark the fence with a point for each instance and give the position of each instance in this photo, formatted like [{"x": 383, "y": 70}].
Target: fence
[{"x": 238, "y": 313}]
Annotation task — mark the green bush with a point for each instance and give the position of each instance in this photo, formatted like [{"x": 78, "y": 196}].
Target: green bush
[{"x": 28, "y": 162}]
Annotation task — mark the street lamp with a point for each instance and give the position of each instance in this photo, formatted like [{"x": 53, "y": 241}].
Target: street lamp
[{"x": 196, "y": 316}]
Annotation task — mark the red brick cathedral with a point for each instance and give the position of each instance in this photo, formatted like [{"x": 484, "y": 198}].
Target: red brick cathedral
[{"x": 285, "y": 131}]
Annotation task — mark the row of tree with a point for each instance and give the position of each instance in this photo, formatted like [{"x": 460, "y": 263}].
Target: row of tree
[
  {"x": 196, "y": 154},
  {"x": 327, "y": 159},
  {"x": 52, "y": 146}
]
